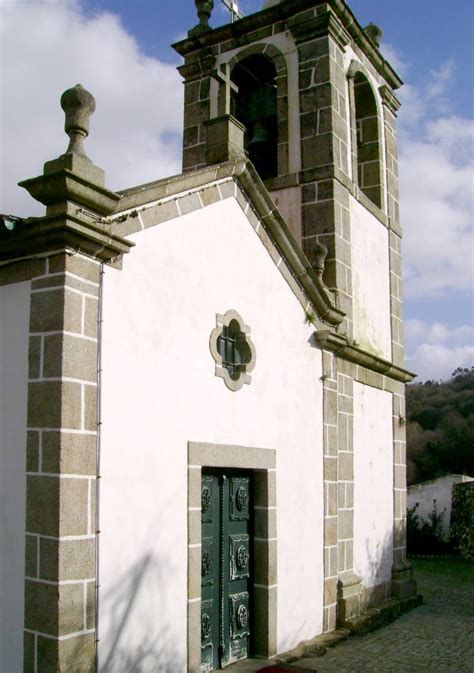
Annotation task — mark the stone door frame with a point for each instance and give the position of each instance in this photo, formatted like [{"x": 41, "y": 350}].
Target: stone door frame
[{"x": 262, "y": 463}]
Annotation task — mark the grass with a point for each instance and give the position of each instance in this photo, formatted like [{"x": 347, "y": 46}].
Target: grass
[{"x": 453, "y": 572}]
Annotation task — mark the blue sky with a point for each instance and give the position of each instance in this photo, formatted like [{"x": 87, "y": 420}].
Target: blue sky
[
  {"x": 120, "y": 50},
  {"x": 416, "y": 27}
]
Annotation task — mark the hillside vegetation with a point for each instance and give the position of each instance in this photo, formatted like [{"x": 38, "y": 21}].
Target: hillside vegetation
[{"x": 440, "y": 427}]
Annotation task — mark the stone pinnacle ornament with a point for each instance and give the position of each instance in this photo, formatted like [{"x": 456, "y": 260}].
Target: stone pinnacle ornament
[
  {"x": 375, "y": 33},
  {"x": 204, "y": 9},
  {"x": 78, "y": 104}
]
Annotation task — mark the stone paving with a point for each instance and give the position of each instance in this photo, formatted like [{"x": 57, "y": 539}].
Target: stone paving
[{"x": 437, "y": 637}]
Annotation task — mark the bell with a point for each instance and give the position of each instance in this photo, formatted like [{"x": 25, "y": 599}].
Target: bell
[{"x": 260, "y": 135}]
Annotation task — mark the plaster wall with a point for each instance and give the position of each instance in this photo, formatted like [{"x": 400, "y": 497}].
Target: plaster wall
[
  {"x": 441, "y": 490},
  {"x": 159, "y": 391},
  {"x": 370, "y": 281},
  {"x": 288, "y": 202},
  {"x": 14, "y": 325},
  {"x": 373, "y": 484}
]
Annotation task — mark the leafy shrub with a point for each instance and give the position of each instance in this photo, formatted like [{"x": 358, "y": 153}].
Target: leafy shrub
[{"x": 425, "y": 537}]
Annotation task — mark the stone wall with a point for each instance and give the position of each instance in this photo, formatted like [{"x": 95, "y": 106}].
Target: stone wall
[
  {"x": 61, "y": 466},
  {"x": 462, "y": 519},
  {"x": 441, "y": 490}
]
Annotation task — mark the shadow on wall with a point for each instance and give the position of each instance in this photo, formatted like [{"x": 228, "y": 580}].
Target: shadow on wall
[
  {"x": 155, "y": 652},
  {"x": 377, "y": 567},
  {"x": 376, "y": 581}
]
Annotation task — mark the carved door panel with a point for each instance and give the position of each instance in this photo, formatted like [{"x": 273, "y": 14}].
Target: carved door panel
[{"x": 226, "y": 562}]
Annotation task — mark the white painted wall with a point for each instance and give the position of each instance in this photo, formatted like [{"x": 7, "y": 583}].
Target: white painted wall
[
  {"x": 441, "y": 490},
  {"x": 370, "y": 281},
  {"x": 159, "y": 392},
  {"x": 14, "y": 325},
  {"x": 373, "y": 484}
]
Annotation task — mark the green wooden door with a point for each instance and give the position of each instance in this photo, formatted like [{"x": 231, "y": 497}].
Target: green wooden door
[{"x": 226, "y": 501}]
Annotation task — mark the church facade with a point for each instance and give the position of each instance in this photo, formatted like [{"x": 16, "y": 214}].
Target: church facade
[{"x": 202, "y": 378}]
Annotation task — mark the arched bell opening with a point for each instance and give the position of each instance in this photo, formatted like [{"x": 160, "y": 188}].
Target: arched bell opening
[
  {"x": 369, "y": 170},
  {"x": 255, "y": 105}
]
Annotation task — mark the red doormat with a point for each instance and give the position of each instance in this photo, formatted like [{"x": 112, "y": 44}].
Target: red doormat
[{"x": 285, "y": 668}]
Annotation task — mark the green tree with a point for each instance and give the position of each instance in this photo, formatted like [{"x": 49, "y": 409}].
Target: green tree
[{"x": 440, "y": 428}]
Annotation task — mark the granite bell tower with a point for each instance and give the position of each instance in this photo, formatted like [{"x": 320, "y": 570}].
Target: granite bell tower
[{"x": 308, "y": 81}]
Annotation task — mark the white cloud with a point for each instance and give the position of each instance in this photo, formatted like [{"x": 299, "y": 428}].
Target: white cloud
[
  {"x": 436, "y": 183},
  {"x": 428, "y": 100},
  {"x": 434, "y": 350},
  {"x": 455, "y": 136},
  {"x": 437, "y": 211},
  {"x": 436, "y": 197},
  {"x": 437, "y": 362},
  {"x": 51, "y": 45},
  {"x": 412, "y": 110},
  {"x": 436, "y": 190},
  {"x": 440, "y": 79},
  {"x": 393, "y": 56},
  {"x": 437, "y": 333}
]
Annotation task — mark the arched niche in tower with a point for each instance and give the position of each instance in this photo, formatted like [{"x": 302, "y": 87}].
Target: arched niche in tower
[
  {"x": 368, "y": 151},
  {"x": 259, "y": 73}
]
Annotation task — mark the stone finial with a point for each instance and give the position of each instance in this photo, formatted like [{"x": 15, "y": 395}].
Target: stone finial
[
  {"x": 319, "y": 256},
  {"x": 204, "y": 9},
  {"x": 73, "y": 177},
  {"x": 78, "y": 104},
  {"x": 374, "y": 33}
]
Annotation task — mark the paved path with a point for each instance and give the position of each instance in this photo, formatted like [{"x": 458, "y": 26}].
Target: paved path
[{"x": 437, "y": 637}]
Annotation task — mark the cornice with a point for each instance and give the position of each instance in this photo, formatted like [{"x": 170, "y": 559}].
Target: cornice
[
  {"x": 361, "y": 38},
  {"x": 284, "y": 13},
  {"x": 389, "y": 99},
  {"x": 198, "y": 68},
  {"x": 66, "y": 185},
  {"x": 342, "y": 348},
  {"x": 39, "y": 235},
  {"x": 304, "y": 29}
]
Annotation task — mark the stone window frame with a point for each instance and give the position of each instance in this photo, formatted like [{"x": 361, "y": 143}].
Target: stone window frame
[
  {"x": 357, "y": 68},
  {"x": 262, "y": 463},
  {"x": 247, "y": 367},
  {"x": 279, "y": 61}
]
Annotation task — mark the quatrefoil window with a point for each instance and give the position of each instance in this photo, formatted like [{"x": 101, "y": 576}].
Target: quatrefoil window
[{"x": 232, "y": 350}]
